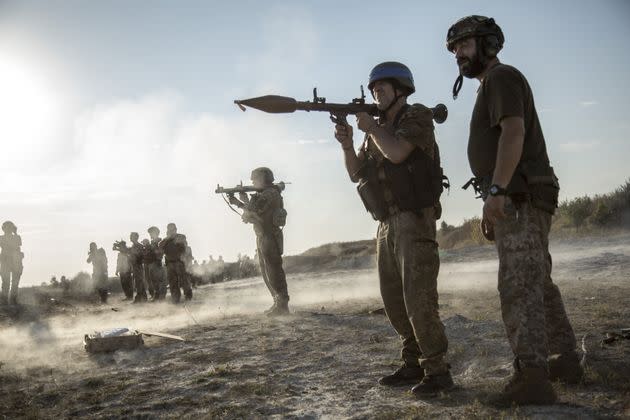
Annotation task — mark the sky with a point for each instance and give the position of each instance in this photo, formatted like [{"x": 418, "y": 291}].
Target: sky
[{"x": 118, "y": 115}]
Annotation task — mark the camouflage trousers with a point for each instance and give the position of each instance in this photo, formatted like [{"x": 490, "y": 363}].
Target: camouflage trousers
[
  {"x": 270, "y": 259},
  {"x": 10, "y": 281},
  {"x": 138, "y": 280},
  {"x": 100, "y": 284},
  {"x": 408, "y": 265},
  {"x": 154, "y": 274},
  {"x": 531, "y": 305},
  {"x": 178, "y": 279},
  {"x": 126, "y": 281}
]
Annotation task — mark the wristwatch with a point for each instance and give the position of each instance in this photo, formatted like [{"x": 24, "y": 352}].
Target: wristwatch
[{"x": 495, "y": 190}]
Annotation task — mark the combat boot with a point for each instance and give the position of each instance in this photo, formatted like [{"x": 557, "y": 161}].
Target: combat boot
[
  {"x": 271, "y": 309},
  {"x": 528, "y": 385},
  {"x": 280, "y": 308},
  {"x": 13, "y": 300},
  {"x": 140, "y": 298},
  {"x": 565, "y": 368},
  {"x": 404, "y": 375},
  {"x": 433, "y": 384}
]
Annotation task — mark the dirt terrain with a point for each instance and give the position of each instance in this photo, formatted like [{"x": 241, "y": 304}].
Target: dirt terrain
[{"x": 323, "y": 360}]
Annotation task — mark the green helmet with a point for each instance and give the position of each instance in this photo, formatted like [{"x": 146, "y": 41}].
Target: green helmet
[
  {"x": 393, "y": 71},
  {"x": 480, "y": 27},
  {"x": 265, "y": 173},
  {"x": 9, "y": 227}
]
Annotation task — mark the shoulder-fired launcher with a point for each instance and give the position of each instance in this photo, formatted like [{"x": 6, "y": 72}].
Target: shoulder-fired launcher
[
  {"x": 275, "y": 104},
  {"x": 247, "y": 188}
]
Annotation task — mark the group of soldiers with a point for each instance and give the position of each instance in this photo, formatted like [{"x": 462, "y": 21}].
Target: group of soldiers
[
  {"x": 399, "y": 175},
  {"x": 400, "y": 178},
  {"x": 147, "y": 266}
]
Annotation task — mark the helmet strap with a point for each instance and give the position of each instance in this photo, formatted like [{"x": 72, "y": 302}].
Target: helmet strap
[
  {"x": 383, "y": 113},
  {"x": 458, "y": 85}
]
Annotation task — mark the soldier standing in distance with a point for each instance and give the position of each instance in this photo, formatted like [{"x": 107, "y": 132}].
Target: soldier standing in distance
[
  {"x": 146, "y": 260},
  {"x": 98, "y": 259},
  {"x": 123, "y": 269},
  {"x": 174, "y": 249},
  {"x": 400, "y": 182},
  {"x": 11, "y": 267},
  {"x": 136, "y": 253},
  {"x": 508, "y": 157},
  {"x": 156, "y": 275},
  {"x": 265, "y": 210}
]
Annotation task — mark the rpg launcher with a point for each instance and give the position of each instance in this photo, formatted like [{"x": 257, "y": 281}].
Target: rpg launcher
[
  {"x": 275, "y": 104},
  {"x": 240, "y": 188}
]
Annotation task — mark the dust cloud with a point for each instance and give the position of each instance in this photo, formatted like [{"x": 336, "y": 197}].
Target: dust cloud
[{"x": 57, "y": 341}]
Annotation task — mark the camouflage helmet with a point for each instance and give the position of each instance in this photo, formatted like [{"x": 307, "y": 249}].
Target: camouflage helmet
[
  {"x": 265, "y": 173},
  {"x": 479, "y": 27},
  {"x": 9, "y": 226},
  {"x": 154, "y": 229},
  {"x": 394, "y": 71}
]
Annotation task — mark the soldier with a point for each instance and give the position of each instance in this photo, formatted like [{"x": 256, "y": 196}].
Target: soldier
[
  {"x": 508, "y": 157},
  {"x": 98, "y": 259},
  {"x": 11, "y": 267},
  {"x": 174, "y": 249},
  {"x": 136, "y": 254},
  {"x": 400, "y": 182},
  {"x": 123, "y": 269},
  {"x": 265, "y": 210},
  {"x": 155, "y": 273}
]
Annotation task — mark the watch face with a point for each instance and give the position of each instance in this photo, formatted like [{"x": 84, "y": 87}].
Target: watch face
[{"x": 493, "y": 190}]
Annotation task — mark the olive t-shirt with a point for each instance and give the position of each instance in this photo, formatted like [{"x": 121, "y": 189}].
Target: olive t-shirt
[{"x": 504, "y": 92}]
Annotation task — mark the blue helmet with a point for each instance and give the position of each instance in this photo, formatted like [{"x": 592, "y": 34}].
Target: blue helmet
[{"x": 396, "y": 72}]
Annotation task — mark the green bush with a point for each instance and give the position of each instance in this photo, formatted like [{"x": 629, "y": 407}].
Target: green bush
[{"x": 578, "y": 210}]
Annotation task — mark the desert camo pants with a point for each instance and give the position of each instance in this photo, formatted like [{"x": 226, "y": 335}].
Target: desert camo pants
[
  {"x": 155, "y": 278},
  {"x": 126, "y": 282},
  {"x": 177, "y": 280},
  {"x": 138, "y": 280},
  {"x": 531, "y": 305},
  {"x": 11, "y": 275},
  {"x": 408, "y": 265},
  {"x": 270, "y": 259}
]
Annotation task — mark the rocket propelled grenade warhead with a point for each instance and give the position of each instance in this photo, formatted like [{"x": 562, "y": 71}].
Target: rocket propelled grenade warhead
[{"x": 273, "y": 104}]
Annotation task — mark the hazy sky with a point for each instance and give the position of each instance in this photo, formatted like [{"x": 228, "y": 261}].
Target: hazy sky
[{"x": 118, "y": 115}]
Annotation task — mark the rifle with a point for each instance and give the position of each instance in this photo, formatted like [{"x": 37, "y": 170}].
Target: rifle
[
  {"x": 240, "y": 188},
  {"x": 275, "y": 104}
]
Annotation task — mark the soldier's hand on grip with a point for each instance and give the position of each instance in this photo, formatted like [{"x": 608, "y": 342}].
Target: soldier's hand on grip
[
  {"x": 233, "y": 199},
  {"x": 365, "y": 122},
  {"x": 243, "y": 197},
  {"x": 343, "y": 134}
]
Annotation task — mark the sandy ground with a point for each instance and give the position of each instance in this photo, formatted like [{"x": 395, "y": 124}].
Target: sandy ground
[{"x": 323, "y": 361}]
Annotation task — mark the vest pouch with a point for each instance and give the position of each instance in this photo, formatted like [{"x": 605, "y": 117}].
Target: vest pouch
[
  {"x": 543, "y": 186},
  {"x": 373, "y": 199},
  {"x": 280, "y": 217}
]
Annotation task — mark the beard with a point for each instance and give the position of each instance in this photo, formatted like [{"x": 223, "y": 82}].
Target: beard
[{"x": 471, "y": 67}]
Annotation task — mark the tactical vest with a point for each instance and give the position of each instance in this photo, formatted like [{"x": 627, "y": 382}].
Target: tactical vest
[{"x": 387, "y": 188}]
